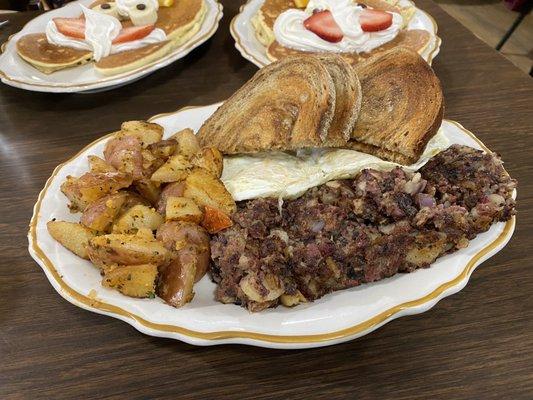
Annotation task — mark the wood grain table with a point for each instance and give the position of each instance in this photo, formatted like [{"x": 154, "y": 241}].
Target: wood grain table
[{"x": 477, "y": 344}]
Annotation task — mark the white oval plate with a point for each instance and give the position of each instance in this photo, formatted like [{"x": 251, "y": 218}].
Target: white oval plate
[
  {"x": 250, "y": 48},
  {"x": 335, "y": 318},
  {"x": 16, "y": 72}
]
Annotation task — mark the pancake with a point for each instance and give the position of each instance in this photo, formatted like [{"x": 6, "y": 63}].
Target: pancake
[
  {"x": 132, "y": 59},
  {"x": 264, "y": 20},
  {"x": 414, "y": 39},
  {"x": 263, "y": 23},
  {"x": 177, "y": 20},
  {"x": 46, "y": 57},
  {"x": 180, "y": 22}
]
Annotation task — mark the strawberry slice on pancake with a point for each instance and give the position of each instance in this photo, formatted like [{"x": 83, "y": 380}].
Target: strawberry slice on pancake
[
  {"x": 323, "y": 25},
  {"x": 72, "y": 27},
  {"x": 374, "y": 20},
  {"x": 133, "y": 33},
  {"x": 75, "y": 28}
]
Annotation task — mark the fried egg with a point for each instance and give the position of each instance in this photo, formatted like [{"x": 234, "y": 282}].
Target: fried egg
[{"x": 288, "y": 175}]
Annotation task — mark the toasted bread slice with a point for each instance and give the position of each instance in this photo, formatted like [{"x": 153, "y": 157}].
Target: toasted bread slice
[
  {"x": 402, "y": 106},
  {"x": 286, "y": 105},
  {"x": 347, "y": 98}
]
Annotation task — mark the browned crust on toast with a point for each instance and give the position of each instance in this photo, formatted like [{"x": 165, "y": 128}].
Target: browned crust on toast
[
  {"x": 348, "y": 97},
  {"x": 402, "y": 105}
]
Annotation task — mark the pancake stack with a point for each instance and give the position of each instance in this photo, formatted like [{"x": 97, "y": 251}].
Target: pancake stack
[
  {"x": 263, "y": 23},
  {"x": 179, "y": 22}
]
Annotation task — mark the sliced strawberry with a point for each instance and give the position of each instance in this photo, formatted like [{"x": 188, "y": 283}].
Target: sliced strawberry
[
  {"x": 324, "y": 26},
  {"x": 133, "y": 33},
  {"x": 374, "y": 20},
  {"x": 73, "y": 27}
]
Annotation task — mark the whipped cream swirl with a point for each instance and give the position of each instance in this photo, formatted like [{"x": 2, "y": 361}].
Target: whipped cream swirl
[
  {"x": 290, "y": 32},
  {"x": 100, "y": 31}
]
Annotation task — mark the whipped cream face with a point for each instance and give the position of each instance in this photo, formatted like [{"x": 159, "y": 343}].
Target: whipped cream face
[
  {"x": 124, "y": 6},
  {"x": 290, "y": 32},
  {"x": 100, "y": 31}
]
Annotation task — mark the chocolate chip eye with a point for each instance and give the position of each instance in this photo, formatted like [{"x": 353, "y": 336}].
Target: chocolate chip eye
[
  {"x": 105, "y": 6},
  {"x": 141, "y": 6},
  {"x": 362, "y": 5}
]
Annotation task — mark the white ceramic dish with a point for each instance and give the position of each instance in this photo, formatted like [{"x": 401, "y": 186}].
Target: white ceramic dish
[
  {"x": 335, "y": 318},
  {"x": 16, "y": 72},
  {"x": 250, "y": 48}
]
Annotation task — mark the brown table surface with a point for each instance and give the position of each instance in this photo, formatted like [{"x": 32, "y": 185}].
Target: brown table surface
[{"x": 477, "y": 344}]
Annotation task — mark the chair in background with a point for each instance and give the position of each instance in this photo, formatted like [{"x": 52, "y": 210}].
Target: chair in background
[{"x": 523, "y": 7}]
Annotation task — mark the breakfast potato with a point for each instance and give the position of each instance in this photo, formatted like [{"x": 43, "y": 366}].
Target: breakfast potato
[
  {"x": 150, "y": 162},
  {"x": 97, "y": 165},
  {"x": 210, "y": 159},
  {"x": 92, "y": 186},
  {"x": 72, "y": 236},
  {"x": 132, "y": 199},
  {"x": 261, "y": 290},
  {"x": 215, "y": 220},
  {"x": 174, "y": 189},
  {"x": 175, "y": 169},
  {"x": 138, "y": 217},
  {"x": 116, "y": 248},
  {"x": 424, "y": 252},
  {"x": 164, "y": 148},
  {"x": 100, "y": 215},
  {"x": 206, "y": 190},
  {"x": 125, "y": 154},
  {"x": 132, "y": 280},
  {"x": 291, "y": 300},
  {"x": 147, "y": 132},
  {"x": 188, "y": 144},
  {"x": 183, "y": 209},
  {"x": 149, "y": 190},
  {"x": 176, "y": 280},
  {"x": 145, "y": 233},
  {"x": 178, "y": 236}
]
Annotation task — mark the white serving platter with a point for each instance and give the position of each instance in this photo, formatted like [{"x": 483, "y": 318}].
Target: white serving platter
[
  {"x": 335, "y": 318},
  {"x": 16, "y": 72},
  {"x": 250, "y": 48}
]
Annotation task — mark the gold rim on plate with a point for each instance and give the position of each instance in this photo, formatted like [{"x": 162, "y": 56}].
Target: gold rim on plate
[
  {"x": 97, "y": 305},
  {"x": 187, "y": 45},
  {"x": 253, "y": 59}
]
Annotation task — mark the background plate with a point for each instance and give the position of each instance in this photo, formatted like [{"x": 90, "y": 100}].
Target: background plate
[
  {"x": 16, "y": 72},
  {"x": 335, "y": 318},
  {"x": 250, "y": 48}
]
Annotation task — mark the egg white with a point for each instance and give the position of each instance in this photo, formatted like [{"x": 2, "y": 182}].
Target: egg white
[{"x": 286, "y": 176}]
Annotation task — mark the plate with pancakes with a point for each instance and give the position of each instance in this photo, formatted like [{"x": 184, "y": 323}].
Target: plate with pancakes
[
  {"x": 311, "y": 207},
  {"x": 93, "y": 46},
  {"x": 269, "y": 30}
]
